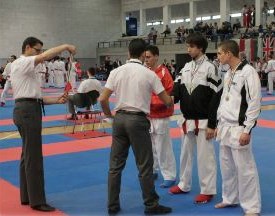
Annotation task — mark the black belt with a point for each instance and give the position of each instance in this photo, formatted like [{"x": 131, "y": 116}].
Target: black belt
[
  {"x": 38, "y": 100},
  {"x": 132, "y": 112}
]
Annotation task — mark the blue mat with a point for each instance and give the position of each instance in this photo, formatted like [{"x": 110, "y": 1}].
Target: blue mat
[{"x": 76, "y": 183}]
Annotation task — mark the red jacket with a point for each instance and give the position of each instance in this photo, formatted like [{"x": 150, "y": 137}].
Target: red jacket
[{"x": 157, "y": 108}]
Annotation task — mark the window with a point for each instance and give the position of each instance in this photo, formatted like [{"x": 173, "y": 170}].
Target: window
[{"x": 216, "y": 17}]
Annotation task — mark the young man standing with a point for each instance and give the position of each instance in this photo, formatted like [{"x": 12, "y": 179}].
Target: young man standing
[
  {"x": 133, "y": 85},
  {"x": 237, "y": 115},
  {"x": 27, "y": 116},
  {"x": 198, "y": 89},
  {"x": 7, "y": 86},
  {"x": 164, "y": 158}
]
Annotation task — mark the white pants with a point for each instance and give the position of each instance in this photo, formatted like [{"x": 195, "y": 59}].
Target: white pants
[
  {"x": 164, "y": 158},
  {"x": 207, "y": 169},
  {"x": 59, "y": 79},
  {"x": 73, "y": 80},
  {"x": 240, "y": 180},
  {"x": 5, "y": 91},
  {"x": 271, "y": 79},
  {"x": 51, "y": 79}
]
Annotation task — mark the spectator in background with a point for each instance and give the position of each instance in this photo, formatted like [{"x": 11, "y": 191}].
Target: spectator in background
[
  {"x": 7, "y": 86},
  {"x": 87, "y": 94},
  {"x": 153, "y": 34},
  {"x": 166, "y": 31},
  {"x": 116, "y": 63},
  {"x": 265, "y": 14},
  {"x": 244, "y": 13},
  {"x": 237, "y": 25},
  {"x": 253, "y": 16}
]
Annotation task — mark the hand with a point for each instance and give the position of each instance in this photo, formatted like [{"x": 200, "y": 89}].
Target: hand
[
  {"x": 63, "y": 99},
  {"x": 71, "y": 49},
  {"x": 244, "y": 139},
  {"x": 210, "y": 133},
  {"x": 216, "y": 132}
]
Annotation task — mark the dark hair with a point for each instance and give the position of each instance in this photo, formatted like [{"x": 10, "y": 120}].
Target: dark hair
[
  {"x": 31, "y": 41},
  {"x": 153, "y": 49},
  {"x": 231, "y": 46},
  {"x": 91, "y": 71},
  {"x": 198, "y": 40},
  {"x": 136, "y": 47}
]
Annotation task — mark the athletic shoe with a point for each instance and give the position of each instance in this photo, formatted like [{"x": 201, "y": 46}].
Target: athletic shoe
[
  {"x": 203, "y": 198},
  {"x": 158, "y": 210}
]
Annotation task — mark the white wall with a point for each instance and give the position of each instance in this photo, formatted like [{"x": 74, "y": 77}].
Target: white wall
[{"x": 79, "y": 22}]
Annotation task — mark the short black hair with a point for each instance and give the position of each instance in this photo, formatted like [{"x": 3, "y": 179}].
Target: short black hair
[
  {"x": 136, "y": 47},
  {"x": 91, "y": 71},
  {"x": 31, "y": 41},
  {"x": 153, "y": 49},
  {"x": 198, "y": 40}
]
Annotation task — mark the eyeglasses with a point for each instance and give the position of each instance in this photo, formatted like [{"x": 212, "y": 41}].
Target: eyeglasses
[{"x": 37, "y": 50}]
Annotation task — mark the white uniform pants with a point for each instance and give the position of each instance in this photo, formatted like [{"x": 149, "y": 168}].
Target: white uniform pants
[
  {"x": 59, "y": 79},
  {"x": 5, "y": 91},
  {"x": 271, "y": 79},
  {"x": 51, "y": 79},
  {"x": 164, "y": 158},
  {"x": 207, "y": 169},
  {"x": 240, "y": 180},
  {"x": 73, "y": 80}
]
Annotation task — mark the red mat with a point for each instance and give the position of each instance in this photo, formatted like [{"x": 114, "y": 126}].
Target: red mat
[
  {"x": 87, "y": 134},
  {"x": 10, "y": 203}
]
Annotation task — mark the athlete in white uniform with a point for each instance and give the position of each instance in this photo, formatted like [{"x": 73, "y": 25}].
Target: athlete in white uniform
[
  {"x": 7, "y": 86},
  {"x": 270, "y": 70},
  {"x": 237, "y": 115},
  {"x": 164, "y": 158},
  {"x": 199, "y": 90}
]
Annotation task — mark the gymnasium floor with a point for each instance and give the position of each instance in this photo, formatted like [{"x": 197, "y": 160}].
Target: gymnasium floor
[{"x": 76, "y": 169}]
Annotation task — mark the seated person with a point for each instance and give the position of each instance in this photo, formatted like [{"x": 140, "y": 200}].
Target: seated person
[
  {"x": 166, "y": 31},
  {"x": 87, "y": 94}
]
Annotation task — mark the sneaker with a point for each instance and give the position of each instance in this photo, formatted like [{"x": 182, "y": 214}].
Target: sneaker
[
  {"x": 176, "y": 190},
  {"x": 2, "y": 104},
  {"x": 158, "y": 210},
  {"x": 167, "y": 183},
  {"x": 203, "y": 198}
]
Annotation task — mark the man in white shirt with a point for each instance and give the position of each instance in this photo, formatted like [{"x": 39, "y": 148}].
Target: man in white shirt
[
  {"x": 84, "y": 96},
  {"x": 27, "y": 117},
  {"x": 133, "y": 85},
  {"x": 7, "y": 86}
]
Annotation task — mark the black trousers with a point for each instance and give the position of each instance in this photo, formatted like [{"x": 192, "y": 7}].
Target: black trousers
[
  {"x": 131, "y": 130},
  {"x": 28, "y": 119}
]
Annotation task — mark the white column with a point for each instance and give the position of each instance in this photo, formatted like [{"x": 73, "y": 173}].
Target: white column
[
  {"x": 142, "y": 20},
  {"x": 123, "y": 22},
  {"x": 258, "y": 7},
  {"x": 166, "y": 15},
  {"x": 192, "y": 13},
  {"x": 224, "y": 11}
]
